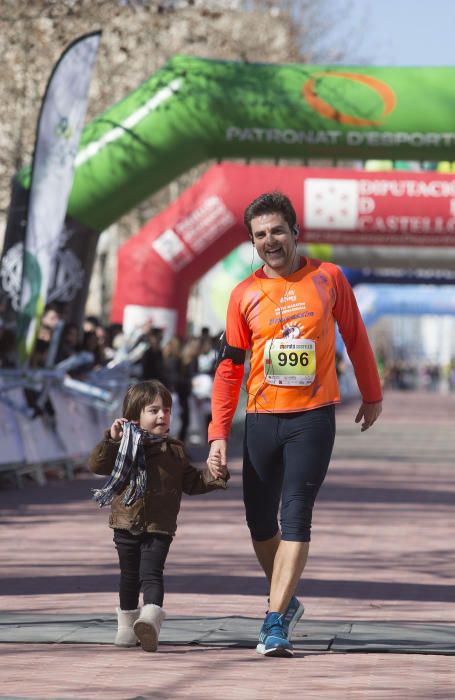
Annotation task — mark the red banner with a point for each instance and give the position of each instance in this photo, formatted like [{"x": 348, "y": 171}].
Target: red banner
[
  {"x": 393, "y": 208},
  {"x": 158, "y": 265}
]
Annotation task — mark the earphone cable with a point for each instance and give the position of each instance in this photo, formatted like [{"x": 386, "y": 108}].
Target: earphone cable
[{"x": 278, "y": 327}]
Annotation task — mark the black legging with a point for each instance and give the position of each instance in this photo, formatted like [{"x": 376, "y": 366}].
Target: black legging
[
  {"x": 286, "y": 456},
  {"x": 142, "y": 558}
]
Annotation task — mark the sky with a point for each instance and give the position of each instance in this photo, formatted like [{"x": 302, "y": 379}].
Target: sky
[{"x": 398, "y": 32}]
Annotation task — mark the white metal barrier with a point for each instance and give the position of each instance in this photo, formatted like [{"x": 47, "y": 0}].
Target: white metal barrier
[{"x": 33, "y": 444}]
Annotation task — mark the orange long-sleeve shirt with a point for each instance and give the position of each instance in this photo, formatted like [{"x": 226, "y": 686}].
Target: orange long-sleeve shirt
[{"x": 289, "y": 326}]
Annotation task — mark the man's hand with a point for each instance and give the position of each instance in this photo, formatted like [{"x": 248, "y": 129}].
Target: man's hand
[
  {"x": 370, "y": 412},
  {"x": 217, "y": 459}
]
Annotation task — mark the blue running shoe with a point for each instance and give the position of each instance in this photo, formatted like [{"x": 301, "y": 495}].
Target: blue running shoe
[
  {"x": 292, "y": 615},
  {"x": 272, "y": 637}
]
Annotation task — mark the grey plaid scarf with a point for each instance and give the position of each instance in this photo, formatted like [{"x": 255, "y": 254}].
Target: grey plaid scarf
[{"x": 129, "y": 466}]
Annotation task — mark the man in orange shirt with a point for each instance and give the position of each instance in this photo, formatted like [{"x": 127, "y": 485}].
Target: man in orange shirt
[{"x": 285, "y": 314}]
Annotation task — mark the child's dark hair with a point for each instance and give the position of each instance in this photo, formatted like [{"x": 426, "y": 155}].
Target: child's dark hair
[
  {"x": 270, "y": 203},
  {"x": 142, "y": 394}
]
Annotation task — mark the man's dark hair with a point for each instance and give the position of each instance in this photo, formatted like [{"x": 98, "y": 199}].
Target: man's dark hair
[{"x": 270, "y": 203}]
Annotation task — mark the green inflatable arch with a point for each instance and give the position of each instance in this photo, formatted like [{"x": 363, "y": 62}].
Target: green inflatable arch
[{"x": 194, "y": 109}]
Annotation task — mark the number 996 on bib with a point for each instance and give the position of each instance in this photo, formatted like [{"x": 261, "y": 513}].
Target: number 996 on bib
[{"x": 290, "y": 362}]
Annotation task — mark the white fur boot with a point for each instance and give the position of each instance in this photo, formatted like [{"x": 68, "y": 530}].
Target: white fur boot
[
  {"x": 125, "y": 636},
  {"x": 147, "y": 626}
]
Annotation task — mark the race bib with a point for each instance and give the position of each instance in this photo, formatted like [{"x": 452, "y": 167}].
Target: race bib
[{"x": 290, "y": 362}]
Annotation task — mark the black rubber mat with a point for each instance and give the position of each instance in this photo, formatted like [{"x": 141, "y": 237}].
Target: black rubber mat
[{"x": 338, "y": 636}]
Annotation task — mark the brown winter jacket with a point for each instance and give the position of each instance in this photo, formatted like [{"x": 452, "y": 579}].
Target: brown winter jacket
[{"x": 169, "y": 473}]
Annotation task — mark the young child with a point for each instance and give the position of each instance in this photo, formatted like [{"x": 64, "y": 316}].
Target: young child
[{"x": 148, "y": 472}]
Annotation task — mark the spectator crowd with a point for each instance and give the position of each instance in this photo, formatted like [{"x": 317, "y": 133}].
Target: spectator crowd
[{"x": 185, "y": 365}]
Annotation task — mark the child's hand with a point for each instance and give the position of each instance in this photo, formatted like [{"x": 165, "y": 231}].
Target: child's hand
[
  {"x": 117, "y": 428},
  {"x": 222, "y": 471}
]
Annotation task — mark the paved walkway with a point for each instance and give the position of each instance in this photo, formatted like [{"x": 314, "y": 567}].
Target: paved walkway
[{"x": 382, "y": 551}]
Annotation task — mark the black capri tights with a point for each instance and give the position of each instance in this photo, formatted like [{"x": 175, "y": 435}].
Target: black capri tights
[{"x": 286, "y": 457}]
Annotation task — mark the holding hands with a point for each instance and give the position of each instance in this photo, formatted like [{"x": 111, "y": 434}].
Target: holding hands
[{"x": 217, "y": 459}]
